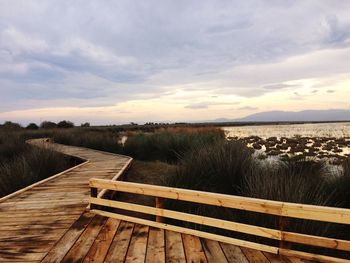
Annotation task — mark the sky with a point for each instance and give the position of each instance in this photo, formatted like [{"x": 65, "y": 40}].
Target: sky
[{"x": 113, "y": 62}]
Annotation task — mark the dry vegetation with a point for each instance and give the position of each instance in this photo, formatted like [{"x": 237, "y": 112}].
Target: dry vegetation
[{"x": 22, "y": 164}]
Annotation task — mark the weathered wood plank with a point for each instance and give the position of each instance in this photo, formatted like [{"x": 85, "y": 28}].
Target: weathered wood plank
[
  {"x": 213, "y": 251},
  {"x": 99, "y": 248},
  {"x": 120, "y": 244},
  {"x": 254, "y": 255},
  {"x": 138, "y": 245},
  {"x": 20, "y": 257},
  {"x": 156, "y": 246},
  {"x": 274, "y": 258},
  {"x": 57, "y": 253},
  {"x": 233, "y": 253},
  {"x": 189, "y": 231},
  {"x": 193, "y": 249},
  {"x": 81, "y": 247},
  {"x": 174, "y": 249}
]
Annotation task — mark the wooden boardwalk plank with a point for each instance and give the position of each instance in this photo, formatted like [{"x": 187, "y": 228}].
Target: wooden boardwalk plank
[
  {"x": 156, "y": 246},
  {"x": 193, "y": 249},
  {"x": 275, "y": 258},
  {"x": 254, "y": 255},
  {"x": 138, "y": 245},
  {"x": 58, "y": 252},
  {"x": 213, "y": 251},
  {"x": 99, "y": 248},
  {"x": 80, "y": 248},
  {"x": 233, "y": 253},
  {"x": 120, "y": 244},
  {"x": 174, "y": 249}
]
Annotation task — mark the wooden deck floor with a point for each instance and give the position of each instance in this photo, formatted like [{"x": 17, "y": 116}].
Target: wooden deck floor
[
  {"x": 49, "y": 223},
  {"x": 101, "y": 239}
]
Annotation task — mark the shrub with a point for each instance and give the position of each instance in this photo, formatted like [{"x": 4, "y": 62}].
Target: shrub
[
  {"x": 11, "y": 125},
  {"x": 48, "y": 125},
  {"x": 65, "y": 124},
  {"x": 32, "y": 126},
  {"x": 86, "y": 124}
]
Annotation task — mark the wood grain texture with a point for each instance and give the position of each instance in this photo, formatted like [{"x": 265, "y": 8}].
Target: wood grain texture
[
  {"x": 213, "y": 251},
  {"x": 44, "y": 220},
  {"x": 233, "y": 253},
  {"x": 138, "y": 245},
  {"x": 174, "y": 247},
  {"x": 156, "y": 246},
  {"x": 311, "y": 212},
  {"x": 120, "y": 244},
  {"x": 193, "y": 249},
  {"x": 99, "y": 248}
]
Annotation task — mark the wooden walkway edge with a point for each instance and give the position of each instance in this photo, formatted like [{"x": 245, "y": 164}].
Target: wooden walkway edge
[{"x": 33, "y": 219}]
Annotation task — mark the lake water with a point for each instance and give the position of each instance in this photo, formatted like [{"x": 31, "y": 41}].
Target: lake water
[{"x": 338, "y": 130}]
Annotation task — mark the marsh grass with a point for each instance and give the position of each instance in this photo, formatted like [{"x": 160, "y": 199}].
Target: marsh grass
[
  {"x": 296, "y": 181},
  {"x": 229, "y": 168},
  {"x": 99, "y": 140},
  {"x": 170, "y": 144},
  {"x": 341, "y": 185},
  {"x": 22, "y": 164},
  {"x": 217, "y": 167}
]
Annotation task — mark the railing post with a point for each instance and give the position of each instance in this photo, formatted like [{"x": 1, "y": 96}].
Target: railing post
[
  {"x": 160, "y": 204},
  {"x": 93, "y": 193},
  {"x": 283, "y": 225}
]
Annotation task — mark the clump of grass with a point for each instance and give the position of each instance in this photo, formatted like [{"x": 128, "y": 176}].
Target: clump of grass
[
  {"x": 30, "y": 166},
  {"x": 11, "y": 144},
  {"x": 170, "y": 144},
  {"x": 292, "y": 180},
  {"x": 98, "y": 140},
  {"x": 217, "y": 167},
  {"x": 296, "y": 181},
  {"x": 341, "y": 185}
]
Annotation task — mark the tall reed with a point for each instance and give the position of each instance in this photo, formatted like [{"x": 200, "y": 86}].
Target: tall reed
[{"x": 170, "y": 144}]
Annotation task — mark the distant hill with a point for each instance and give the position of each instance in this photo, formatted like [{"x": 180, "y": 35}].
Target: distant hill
[{"x": 306, "y": 115}]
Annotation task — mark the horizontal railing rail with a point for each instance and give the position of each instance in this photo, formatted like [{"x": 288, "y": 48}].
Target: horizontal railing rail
[{"x": 281, "y": 209}]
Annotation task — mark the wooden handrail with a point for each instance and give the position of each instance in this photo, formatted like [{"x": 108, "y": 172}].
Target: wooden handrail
[
  {"x": 302, "y": 211},
  {"x": 282, "y": 209}
]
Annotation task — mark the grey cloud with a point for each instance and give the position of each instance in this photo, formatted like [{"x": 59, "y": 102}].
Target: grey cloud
[
  {"x": 247, "y": 108},
  {"x": 278, "y": 86},
  {"x": 205, "y": 105},
  {"x": 197, "y": 106},
  {"x": 132, "y": 50}
]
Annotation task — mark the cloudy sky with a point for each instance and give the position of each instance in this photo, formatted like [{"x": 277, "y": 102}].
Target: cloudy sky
[{"x": 121, "y": 61}]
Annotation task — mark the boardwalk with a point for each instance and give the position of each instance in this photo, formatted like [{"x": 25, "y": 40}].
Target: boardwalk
[{"x": 49, "y": 222}]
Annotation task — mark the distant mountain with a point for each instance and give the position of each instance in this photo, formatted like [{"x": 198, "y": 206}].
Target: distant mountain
[{"x": 306, "y": 115}]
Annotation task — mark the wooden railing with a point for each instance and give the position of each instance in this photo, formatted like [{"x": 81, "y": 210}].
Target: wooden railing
[{"x": 281, "y": 209}]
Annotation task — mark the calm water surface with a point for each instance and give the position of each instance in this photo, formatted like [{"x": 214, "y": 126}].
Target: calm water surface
[{"x": 338, "y": 130}]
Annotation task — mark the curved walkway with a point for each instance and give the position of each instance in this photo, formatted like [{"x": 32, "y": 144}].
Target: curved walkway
[
  {"x": 34, "y": 218},
  {"x": 49, "y": 222}
]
